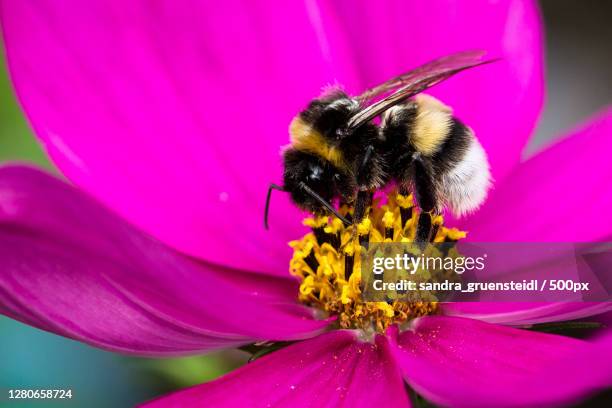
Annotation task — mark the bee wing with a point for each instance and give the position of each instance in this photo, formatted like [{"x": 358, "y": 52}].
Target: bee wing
[
  {"x": 413, "y": 82},
  {"x": 447, "y": 62}
]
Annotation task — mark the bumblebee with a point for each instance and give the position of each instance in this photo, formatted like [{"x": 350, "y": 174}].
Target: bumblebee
[{"x": 339, "y": 155}]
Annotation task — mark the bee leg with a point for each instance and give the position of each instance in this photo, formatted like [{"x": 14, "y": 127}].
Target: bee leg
[
  {"x": 426, "y": 197},
  {"x": 366, "y": 170},
  {"x": 362, "y": 202},
  {"x": 403, "y": 189},
  {"x": 423, "y": 230},
  {"x": 366, "y": 175}
]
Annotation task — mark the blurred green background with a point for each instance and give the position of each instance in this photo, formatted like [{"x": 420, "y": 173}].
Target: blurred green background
[
  {"x": 16, "y": 141},
  {"x": 578, "y": 81}
]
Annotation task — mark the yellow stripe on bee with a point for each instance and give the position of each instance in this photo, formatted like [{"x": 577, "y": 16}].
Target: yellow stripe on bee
[
  {"x": 432, "y": 124},
  {"x": 306, "y": 139}
]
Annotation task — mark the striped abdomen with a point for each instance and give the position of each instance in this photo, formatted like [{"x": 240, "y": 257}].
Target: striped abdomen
[{"x": 426, "y": 129}]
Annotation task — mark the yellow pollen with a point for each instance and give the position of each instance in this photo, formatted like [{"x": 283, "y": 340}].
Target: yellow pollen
[{"x": 327, "y": 263}]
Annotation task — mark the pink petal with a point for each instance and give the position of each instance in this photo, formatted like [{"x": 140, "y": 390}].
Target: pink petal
[
  {"x": 559, "y": 195},
  {"x": 332, "y": 370},
  {"x": 173, "y": 113},
  {"x": 467, "y": 363},
  {"x": 71, "y": 267},
  {"x": 605, "y": 318},
  {"x": 520, "y": 314}
]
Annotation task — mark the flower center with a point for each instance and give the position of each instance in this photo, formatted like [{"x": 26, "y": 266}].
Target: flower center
[{"x": 327, "y": 263}]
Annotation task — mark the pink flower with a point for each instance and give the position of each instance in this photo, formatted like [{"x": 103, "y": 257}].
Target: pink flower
[{"x": 171, "y": 115}]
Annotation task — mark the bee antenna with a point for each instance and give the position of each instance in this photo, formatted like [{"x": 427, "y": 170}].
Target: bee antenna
[
  {"x": 267, "y": 210},
  {"x": 324, "y": 203}
]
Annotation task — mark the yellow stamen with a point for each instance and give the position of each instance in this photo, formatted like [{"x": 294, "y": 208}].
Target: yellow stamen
[{"x": 327, "y": 263}]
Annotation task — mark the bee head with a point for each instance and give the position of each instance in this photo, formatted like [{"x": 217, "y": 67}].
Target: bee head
[{"x": 306, "y": 174}]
